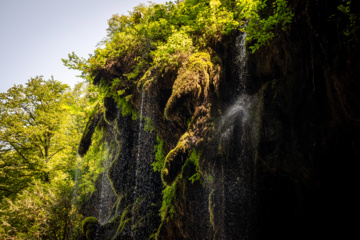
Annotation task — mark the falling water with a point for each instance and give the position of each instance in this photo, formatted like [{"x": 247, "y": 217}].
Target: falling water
[
  {"x": 240, "y": 107},
  {"x": 241, "y": 63},
  {"x": 235, "y": 186},
  {"x": 139, "y": 142},
  {"x": 232, "y": 122},
  {"x": 138, "y": 161},
  {"x": 145, "y": 182},
  {"x": 105, "y": 190}
]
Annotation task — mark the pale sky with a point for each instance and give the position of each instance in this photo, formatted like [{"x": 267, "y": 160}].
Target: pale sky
[{"x": 36, "y": 34}]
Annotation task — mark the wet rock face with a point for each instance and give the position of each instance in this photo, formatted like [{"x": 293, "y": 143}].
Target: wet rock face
[
  {"x": 307, "y": 142},
  {"x": 133, "y": 194},
  {"x": 280, "y": 163}
]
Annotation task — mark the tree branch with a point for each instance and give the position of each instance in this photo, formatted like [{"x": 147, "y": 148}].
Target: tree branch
[{"x": 23, "y": 157}]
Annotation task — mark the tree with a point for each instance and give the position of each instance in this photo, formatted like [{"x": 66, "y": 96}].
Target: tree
[
  {"x": 41, "y": 125},
  {"x": 41, "y": 211},
  {"x": 33, "y": 139}
]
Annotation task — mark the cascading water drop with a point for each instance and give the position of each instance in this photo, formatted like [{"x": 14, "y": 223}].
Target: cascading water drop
[
  {"x": 138, "y": 155},
  {"x": 241, "y": 63},
  {"x": 146, "y": 184},
  {"x": 138, "y": 162},
  {"x": 235, "y": 180},
  {"x": 105, "y": 190}
]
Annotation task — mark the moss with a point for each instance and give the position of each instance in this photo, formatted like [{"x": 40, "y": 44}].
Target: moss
[
  {"x": 194, "y": 158},
  {"x": 192, "y": 82},
  {"x": 140, "y": 221},
  {"x": 148, "y": 126},
  {"x": 118, "y": 203},
  {"x": 167, "y": 58},
  {"x": 177, "y": 199},
  {"x": 175, "y": 159},
  {"x": 110, "y": 174},
  {"x": 110, "y": 109},
  {"x": 124, "y": 220},
  {"x": 85, "y": 141},
  {"x": 127, "y": 108},
  {"x": 160, "y": 155},
  {"x": 211, "y": 209},
  {"x": 191, "y": 167},
  {"x": 167, "y": 209},
  {"x": 90, "y": 226}
]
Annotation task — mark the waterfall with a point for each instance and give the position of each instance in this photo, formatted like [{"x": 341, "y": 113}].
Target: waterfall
[
  {"x": 235, "y": 185},
  {"x": 138, "y": 156},
  {"x": 138, "y": 162},
  {"x": 241, "y": 63},
  {"x": 143, "y": 212},
  {"x": 105, "y": 190}
]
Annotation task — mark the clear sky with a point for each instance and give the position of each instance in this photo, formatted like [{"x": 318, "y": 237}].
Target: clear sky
[{"x": 36, "y": 34}]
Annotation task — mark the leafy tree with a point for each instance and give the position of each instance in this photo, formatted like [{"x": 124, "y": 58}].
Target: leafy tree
[
  {"x": 33, "y": 141},
  {"x": 42, "y": 211},
  {"x": 41, "y": 125}
]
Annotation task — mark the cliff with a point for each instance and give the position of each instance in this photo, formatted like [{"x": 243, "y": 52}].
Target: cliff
[{"x": 238, "y": 145}]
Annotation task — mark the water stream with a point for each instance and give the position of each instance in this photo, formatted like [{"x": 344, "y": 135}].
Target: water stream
[
  {"x": 106, "y": 190},
  {"x": 241, "y": 62},
  {"x": 138, "y": 156},
  {"x": 145, "y": 181},
  {"x": 235, "y": 181}
]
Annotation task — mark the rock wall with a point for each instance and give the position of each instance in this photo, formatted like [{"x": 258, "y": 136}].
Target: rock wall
[{"x": 278, "y": 156}]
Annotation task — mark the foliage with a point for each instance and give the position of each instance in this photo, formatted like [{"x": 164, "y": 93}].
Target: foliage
[
  {"x": 41, "y": 211},
  {"x": 194, "y": 159},
  {"x": 158, "y": 164},
  {"x": 38, "y": 134},
  {"x": 41, "y": 127},
  {"x": 86, "y": 138},
  {"x": 167, "y": 209},
  {"x": 169, "y": 193},
  {"x": 90, "y": 167},
  {"x": 171, "y": 46},
  {"x": 268, "y": 19},
  {"x": 152, "y": 40},
  {"x": 118, "y": 24},
  {"x": 168, "y": 57},
  {"x": 76, "y": 63},
  {"x": 352, "y": 29}
]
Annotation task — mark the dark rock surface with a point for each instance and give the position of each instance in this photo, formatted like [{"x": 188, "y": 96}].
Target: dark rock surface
[{"x": 280, "y": 163}]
